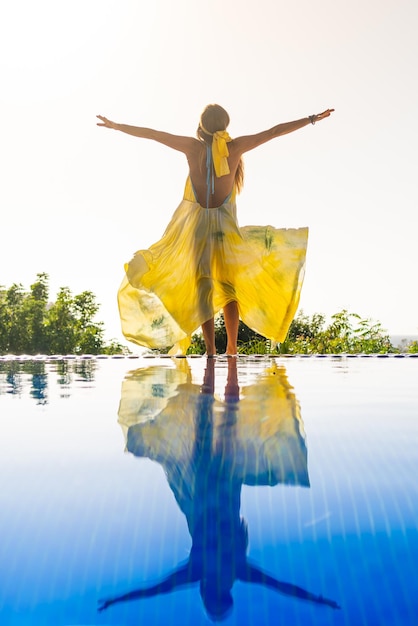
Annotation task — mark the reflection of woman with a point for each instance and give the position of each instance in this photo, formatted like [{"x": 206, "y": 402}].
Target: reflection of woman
[
  {"x": 204, "y": 261},
  {"x": 207, "y": 474}
]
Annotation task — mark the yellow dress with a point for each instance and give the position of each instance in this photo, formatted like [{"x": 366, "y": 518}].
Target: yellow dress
[{"x": 203, "y": 261}]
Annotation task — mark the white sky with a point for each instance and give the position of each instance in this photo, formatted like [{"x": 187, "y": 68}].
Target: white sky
[{"x": 77, "y": 200}]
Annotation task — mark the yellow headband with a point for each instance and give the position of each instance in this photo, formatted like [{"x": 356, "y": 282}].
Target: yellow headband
[{"x": 220, "y": 151}]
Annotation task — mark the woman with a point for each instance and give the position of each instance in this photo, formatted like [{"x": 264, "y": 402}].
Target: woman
[{"x": 204, "y": 262}]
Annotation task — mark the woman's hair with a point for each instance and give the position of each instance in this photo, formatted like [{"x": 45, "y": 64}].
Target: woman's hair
[
  {"x": 218, "y": 602},
  {"x": 213, "y": 118}
]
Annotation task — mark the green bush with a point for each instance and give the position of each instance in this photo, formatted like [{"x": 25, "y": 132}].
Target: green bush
[
  {"x": 412, "y": 348},
  {"x": 346, "y": 333},
  {"x": 29, "y": 324}
]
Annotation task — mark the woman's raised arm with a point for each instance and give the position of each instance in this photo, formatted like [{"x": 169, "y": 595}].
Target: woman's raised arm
[
  {"x": 249, "y": 142},
  {"x": 177, "y": 142}
]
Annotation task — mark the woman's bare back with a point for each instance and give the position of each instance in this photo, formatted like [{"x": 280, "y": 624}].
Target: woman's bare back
[{"x": 222, "y": 186}]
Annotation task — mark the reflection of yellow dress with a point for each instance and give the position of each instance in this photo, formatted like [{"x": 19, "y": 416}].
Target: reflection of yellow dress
[
  {"x": 203, "y": 261},
  {"x": 258, "y": 440}
]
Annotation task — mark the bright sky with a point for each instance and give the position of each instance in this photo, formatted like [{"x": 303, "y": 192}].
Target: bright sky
[{"x": 77, "y": 200}]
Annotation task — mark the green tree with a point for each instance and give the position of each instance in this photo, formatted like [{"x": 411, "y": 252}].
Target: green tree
[
  {"x": 36, "y": 305},
  {"x": 304, "y": 326},
  {"x": 22, "y": 317},
  {"x": 4, "y": 335},
  {"x": 61, "y": 324},
  {"x": 89, "y": 334},
  {"x": 31, "y": 325},
  {"x": 113, "y": 346},
  {"x": 70, "y": 326},
  {"x": 15, "y": 322}
]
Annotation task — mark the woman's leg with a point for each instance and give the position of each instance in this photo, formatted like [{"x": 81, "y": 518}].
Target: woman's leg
[
  {"x": 208, "y": 330},
  {"x": 231, "y": 317}
]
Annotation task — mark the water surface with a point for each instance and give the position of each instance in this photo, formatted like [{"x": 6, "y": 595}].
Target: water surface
[{"x": 251, "y": 491}]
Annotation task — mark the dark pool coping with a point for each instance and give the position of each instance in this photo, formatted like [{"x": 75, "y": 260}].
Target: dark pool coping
[{"x": 240, "y": 357}]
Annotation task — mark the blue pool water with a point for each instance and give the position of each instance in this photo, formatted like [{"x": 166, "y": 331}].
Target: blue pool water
[{"x": 249, "y": 491}]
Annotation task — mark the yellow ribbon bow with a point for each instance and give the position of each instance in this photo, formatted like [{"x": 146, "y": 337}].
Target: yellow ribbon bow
[{"x": 220, "y": 152}]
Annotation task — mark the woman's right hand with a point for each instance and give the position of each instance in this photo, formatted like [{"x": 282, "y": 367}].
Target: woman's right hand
[{"x": 105, "y": 122}]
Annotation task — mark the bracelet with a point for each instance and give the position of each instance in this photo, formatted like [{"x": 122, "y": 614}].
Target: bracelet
[{"x": 312, "y": 119}]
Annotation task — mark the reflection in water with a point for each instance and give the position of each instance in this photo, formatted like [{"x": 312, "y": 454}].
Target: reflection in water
[
  {"x": 12, "y": 377},
  {"x": 209, "y": 448},
  {"x": 15, "y": 376}
]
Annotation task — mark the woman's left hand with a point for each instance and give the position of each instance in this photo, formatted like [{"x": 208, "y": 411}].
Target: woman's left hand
[{"x": 320, "y": 116}]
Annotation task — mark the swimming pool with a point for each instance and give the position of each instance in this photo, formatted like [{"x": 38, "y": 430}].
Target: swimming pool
[{"x": 237, "y": 490}]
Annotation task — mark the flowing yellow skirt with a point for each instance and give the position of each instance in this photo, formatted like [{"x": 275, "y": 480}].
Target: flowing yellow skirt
[{"x": 203, "y": 261}]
